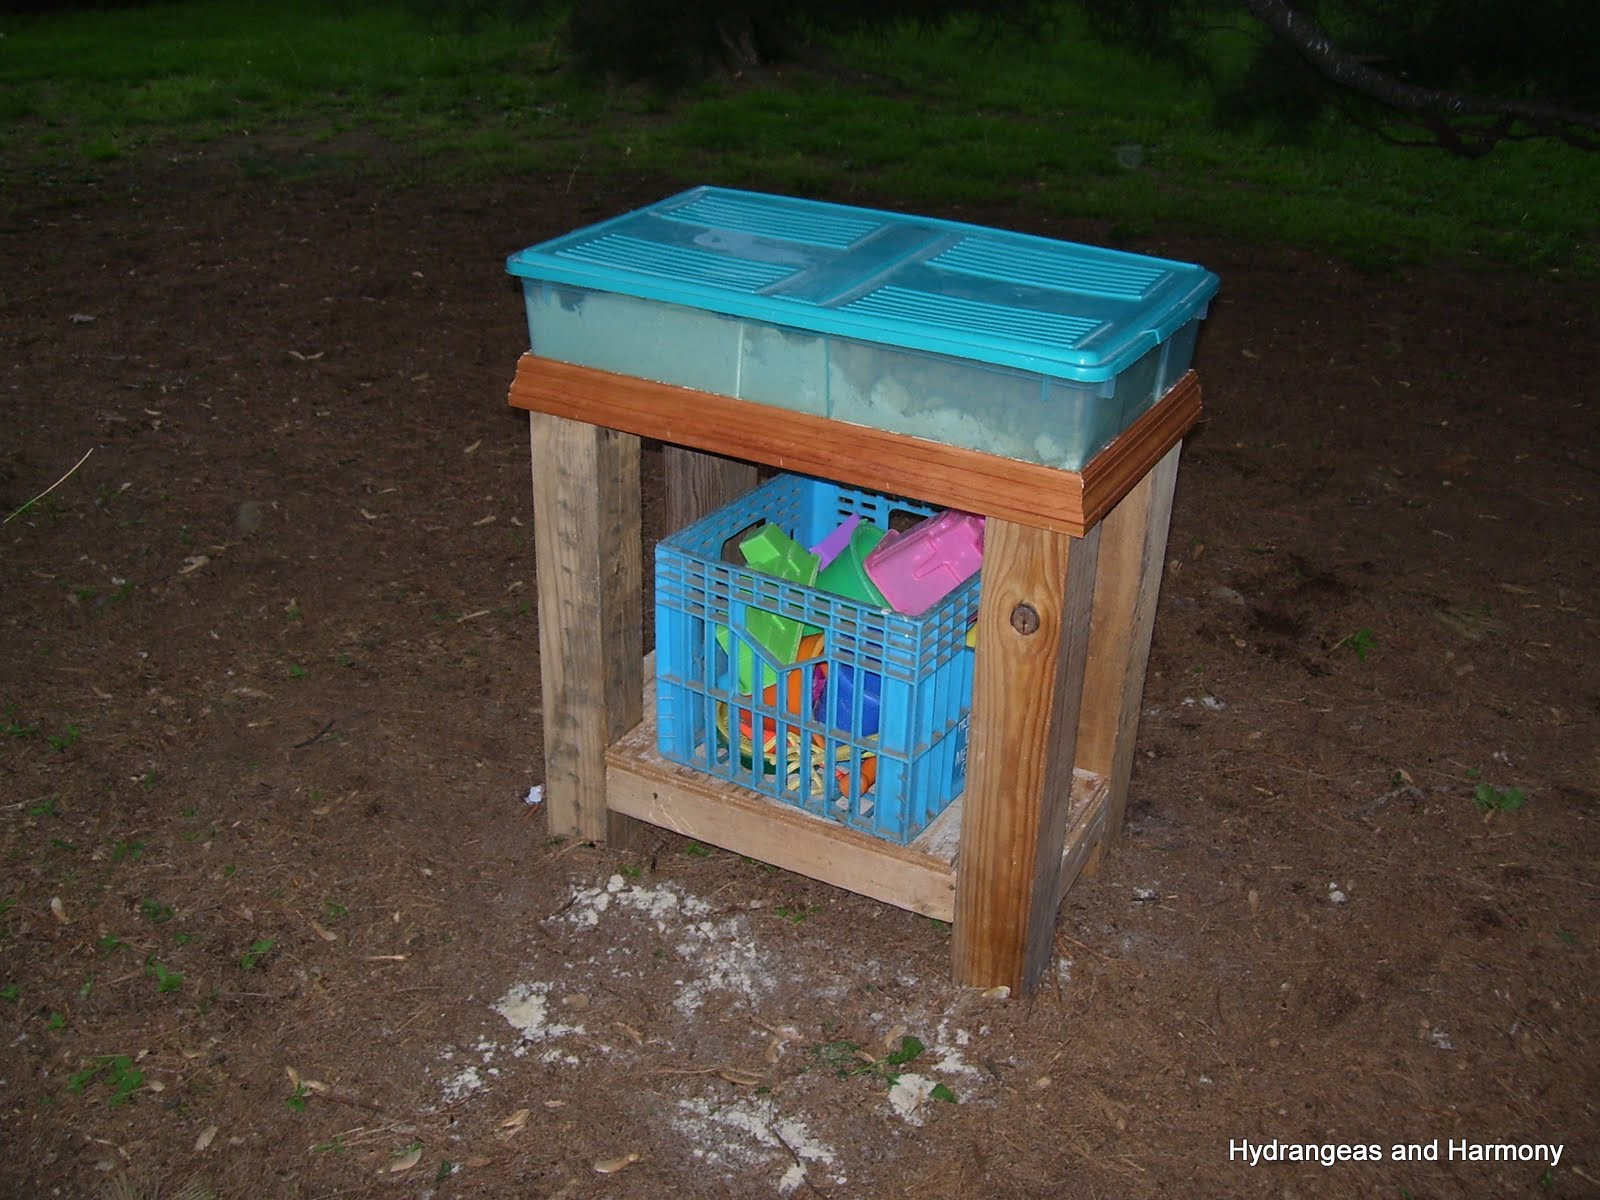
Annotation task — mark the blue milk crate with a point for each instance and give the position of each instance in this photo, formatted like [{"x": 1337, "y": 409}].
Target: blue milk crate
[{"x": 813, "y": 752}]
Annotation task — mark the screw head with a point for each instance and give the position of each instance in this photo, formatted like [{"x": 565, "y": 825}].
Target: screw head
[{"x": 1024, "y": 619}]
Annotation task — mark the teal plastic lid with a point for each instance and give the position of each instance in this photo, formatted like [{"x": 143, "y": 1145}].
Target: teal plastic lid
[{"x": 1057, "y": 308}]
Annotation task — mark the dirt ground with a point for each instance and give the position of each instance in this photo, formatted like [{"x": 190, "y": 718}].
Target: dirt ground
[{"x": 278, "y": 921}]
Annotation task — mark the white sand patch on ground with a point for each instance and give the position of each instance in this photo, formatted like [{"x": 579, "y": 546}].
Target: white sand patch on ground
[
  {"x": 909, "y": 1094},
  {"x": 665, "y": 906},
  {"x": 748, "y": 1134},
  {"x": 726, "y": 970},
  {"x": 526, "y": 1008},
  {"x": 947, "y": 1046},
  {"x": 464, "y": 1084},
  {"x": 722, "y": 949}
]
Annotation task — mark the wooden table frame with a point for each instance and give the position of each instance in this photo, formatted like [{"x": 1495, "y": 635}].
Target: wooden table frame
[{"x": 1072, "y": 570}]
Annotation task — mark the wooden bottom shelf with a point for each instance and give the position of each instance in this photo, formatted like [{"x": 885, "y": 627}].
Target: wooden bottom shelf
[{"x": 920, "y": 877}]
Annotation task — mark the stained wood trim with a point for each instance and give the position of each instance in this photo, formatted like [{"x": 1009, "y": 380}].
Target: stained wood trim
[
  {"x": 1113, "y": 472},
  {"x": 1026, "y": 493}
]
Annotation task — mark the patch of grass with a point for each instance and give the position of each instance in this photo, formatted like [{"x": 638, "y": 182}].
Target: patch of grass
[
  {"x": 15, "y": 728},
  {"x": 116, "y": 1071},
  {"x": 60, "y": 742},
  {"x": 256, "y": 954},
  {"x": 96, "y": 600},
  {"x": 167, "y": 980},
  {"x": 939, "y": 114},
  {"x": 1489, "y": 799},
  {"x": 155, "y": 912},
  {"x": 846, "y": 1058},
  {"x": 908, "y": 1051},
  {"x": 1363, "y": 642},
  {"x": 841, "y": 1056}
]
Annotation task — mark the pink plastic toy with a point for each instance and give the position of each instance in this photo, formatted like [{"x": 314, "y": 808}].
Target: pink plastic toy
[{"x": 918, "y": 568}]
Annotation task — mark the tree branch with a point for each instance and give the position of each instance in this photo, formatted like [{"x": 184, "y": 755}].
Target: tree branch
[{"x": 1448, "y": 115}]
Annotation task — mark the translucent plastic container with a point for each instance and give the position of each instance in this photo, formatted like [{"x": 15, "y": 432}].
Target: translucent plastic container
[{"x": 1020, "y": 346}]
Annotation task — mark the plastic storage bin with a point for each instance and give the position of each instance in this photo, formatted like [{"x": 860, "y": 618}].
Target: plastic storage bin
[
  {"x": 885, "y": 757},
  {"x": 1020, "y": 346}
]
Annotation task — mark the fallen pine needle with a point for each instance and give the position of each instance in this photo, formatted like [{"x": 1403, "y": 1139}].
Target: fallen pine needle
[{"x": 51, "y": 488}]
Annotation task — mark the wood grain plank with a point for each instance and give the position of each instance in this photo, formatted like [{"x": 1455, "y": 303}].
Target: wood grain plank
[
  {"x": 1133, "y": 545},
  {"x": 644, "y": 785},
  {"x": 698, "y": 484},
  {"x": 591, "y": 624},
  {"x": 1033, "y": 626},
  {"x": 920, "y": 878}
]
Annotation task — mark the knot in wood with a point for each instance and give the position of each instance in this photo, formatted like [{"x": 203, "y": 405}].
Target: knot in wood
[{"x": 1024, "y": 619}]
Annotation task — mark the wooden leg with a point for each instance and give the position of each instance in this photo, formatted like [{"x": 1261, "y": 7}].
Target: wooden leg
[
  {"x": 1133, "y": 547},
  {"x": 1033, "y": 633},
  {"x": 698, "y": 484},
  {"x": 591, "y": 651}
]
